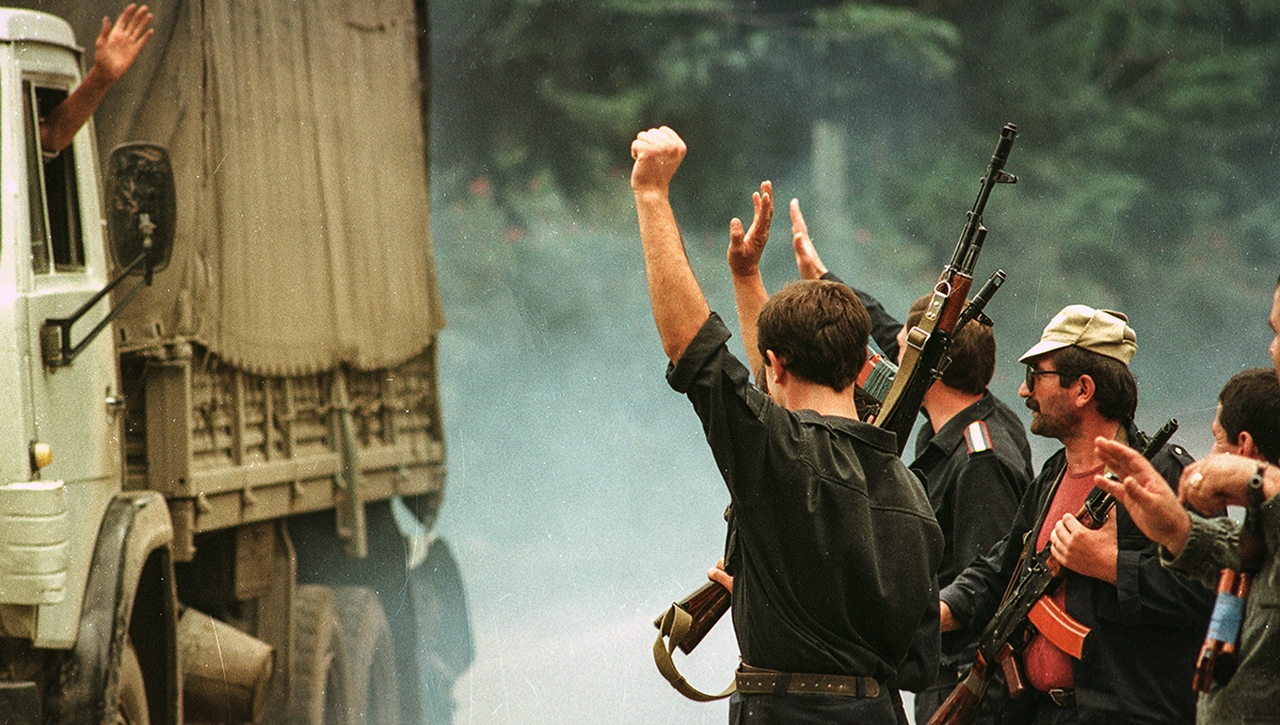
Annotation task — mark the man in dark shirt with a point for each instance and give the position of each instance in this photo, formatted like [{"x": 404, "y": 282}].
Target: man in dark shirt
[
  {"x": 1147, "y": 623},
  {"x": 972, "y": 454},
  {"x": 832, "y": 544}
]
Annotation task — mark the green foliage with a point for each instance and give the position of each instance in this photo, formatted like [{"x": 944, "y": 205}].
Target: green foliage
[
  {"x": 1146, "y": 155},
  {"x": 1148, "y": 116},
  {"x": 907, "y": 37},
  {"x": 535, "y": 86}
]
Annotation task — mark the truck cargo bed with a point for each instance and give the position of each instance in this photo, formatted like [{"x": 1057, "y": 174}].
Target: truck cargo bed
[{"x": 256, "y": 447}]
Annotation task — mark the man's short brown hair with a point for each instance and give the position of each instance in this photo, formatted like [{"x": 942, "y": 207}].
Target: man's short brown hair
[
  {"x": 972, "y": 352},
  {"x": 1251, "y": 402},
  {"x": 819, "y": 329}
]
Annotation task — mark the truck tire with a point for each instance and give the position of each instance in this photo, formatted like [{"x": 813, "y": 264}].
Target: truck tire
[
  {"x": 320, "y": 678},
  {"x": 133, "y": 691},
  {"x": 371, "y": 658}
]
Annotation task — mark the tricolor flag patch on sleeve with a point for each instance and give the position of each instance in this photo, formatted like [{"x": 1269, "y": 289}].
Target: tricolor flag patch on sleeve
[{"x": 977, "y": 438}]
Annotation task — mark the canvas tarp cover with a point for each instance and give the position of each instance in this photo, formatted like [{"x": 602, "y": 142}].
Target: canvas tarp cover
[{"x": 295, "y": 134}]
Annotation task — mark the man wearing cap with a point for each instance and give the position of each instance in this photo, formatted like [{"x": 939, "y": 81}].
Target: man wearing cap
[{"x": 1146, "y": 622}]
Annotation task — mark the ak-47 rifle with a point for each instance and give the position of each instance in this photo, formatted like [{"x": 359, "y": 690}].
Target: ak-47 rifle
[
  {"x": 704, "y": 606},
  {"x": 923, "y": 360},
  {"x": 925, "y": 356},
  {"x": 1219, "y": 655},
  {"x": 878, "y": 372},
  {"x": 1029, "y": 602}
]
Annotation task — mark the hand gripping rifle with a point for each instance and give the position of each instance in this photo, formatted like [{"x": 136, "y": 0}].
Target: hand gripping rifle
[
  {"x": 1028, "y": 602},
  {"x": 1219, "y": 656},
  {"x": 925, "y": 355}
]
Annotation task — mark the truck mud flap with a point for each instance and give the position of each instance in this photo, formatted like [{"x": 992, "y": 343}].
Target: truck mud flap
[
  {"x": 86, "y": 678},
  {"x": 19, "y": 703}
]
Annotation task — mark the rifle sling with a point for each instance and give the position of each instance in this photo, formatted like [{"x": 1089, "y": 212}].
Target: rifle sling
[
  {"x": 673, "y": 627},
  {"x": 918, "y": 338}
]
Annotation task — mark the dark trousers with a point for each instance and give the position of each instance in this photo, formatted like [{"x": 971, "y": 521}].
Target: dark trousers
[
  {"x": 1049, "y": 714},
  {"x": 811, "y": 710}
]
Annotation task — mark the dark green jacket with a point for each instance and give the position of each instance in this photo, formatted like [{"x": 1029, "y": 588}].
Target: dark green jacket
[{"x": 1253, "y": 694}]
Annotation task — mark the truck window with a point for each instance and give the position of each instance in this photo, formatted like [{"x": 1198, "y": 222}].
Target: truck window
[{"x": 56, "y": 241}]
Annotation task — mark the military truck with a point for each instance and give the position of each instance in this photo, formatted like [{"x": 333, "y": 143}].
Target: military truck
[{"x": 221, "y": 457}]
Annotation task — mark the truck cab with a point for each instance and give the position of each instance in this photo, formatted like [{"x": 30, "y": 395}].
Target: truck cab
[{"x": 61, "y": 434}]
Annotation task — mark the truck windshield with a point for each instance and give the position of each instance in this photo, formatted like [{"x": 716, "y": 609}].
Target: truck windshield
[{"x": 56, "y": 241}]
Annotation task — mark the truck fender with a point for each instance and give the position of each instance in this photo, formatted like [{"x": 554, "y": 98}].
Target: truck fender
[{"x": 130, "y": 598}]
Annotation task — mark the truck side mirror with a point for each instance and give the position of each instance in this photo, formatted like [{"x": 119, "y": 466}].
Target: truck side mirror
[{"x": 141, "y": 206}]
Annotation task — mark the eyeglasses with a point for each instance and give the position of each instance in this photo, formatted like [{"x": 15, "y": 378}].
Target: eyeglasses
[{"x": 1031, "y": 377}]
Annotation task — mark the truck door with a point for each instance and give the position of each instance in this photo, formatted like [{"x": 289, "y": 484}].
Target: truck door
[
  {"x": 74, "y": 411},
  {"x": 74, "y": 408}
]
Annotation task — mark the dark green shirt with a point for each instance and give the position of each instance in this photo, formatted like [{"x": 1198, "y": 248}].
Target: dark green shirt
[
  {"x": 832, "y": 543},
  {"x": 1252, "y": 695}
]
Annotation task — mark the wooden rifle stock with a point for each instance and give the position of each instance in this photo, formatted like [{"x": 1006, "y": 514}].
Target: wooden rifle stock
[
  {"x": 964, "y": 702},
  {"x": 925, "y": 354},
  {"x": 705, "y": 605},
  {"x": 1011, "y": 618},
  {"x": 961, "y": 706}
]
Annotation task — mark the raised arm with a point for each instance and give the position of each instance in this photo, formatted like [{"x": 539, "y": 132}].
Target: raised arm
[
  {"x": 745, "y": 249},
  {"x": 884, "y": 327},
  {"x": 114, "y": 52},
  {"x": 679, "y": 309},
  {"x": 808, "y": 264}
]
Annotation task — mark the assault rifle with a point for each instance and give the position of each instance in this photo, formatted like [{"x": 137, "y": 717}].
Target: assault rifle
[
  {"x": 878, "y": 372},
  {"x": 925, "y": 356},
  {"x": 704, "y": 606},
  {"x": 1028, "y": 602},
  {"x": 1219, "y": 656}
]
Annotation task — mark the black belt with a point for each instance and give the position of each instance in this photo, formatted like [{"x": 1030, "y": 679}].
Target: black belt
[
  {"x": 1060, "y": 696},
  {"x": 759, "y": 681}
]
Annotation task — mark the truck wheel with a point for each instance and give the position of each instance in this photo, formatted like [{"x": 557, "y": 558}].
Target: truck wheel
[
  {"x": 371, "y": 658},
  {"x": 320, "y": 679},
  {"x": 133, "y": 691}
]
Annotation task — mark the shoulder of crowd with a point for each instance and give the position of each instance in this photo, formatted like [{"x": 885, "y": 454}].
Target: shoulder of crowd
[{"x": 1170, "y": 462}]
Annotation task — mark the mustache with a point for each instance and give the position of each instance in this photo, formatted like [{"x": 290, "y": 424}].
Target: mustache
[{"x": 1033, "y": 405}]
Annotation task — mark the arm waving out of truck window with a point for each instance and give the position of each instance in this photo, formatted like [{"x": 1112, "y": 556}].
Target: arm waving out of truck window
[{"x": 114, "y": 52}]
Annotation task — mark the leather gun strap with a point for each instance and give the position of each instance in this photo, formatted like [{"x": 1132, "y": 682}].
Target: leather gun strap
[
  {"x": 1029, "y": 542},
  {"x": 1122, "y": 436},
  {"x": 674, "y": 626}
]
